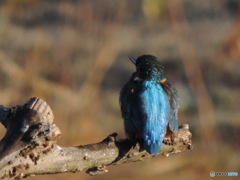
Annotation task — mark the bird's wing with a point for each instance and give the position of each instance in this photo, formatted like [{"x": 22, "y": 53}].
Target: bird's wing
[
  {"x": 155, "y": 106},
  {"x": 126, "y": 106},
  {"x": 174, "y": 105},
  {"x": 130, "y": 107}
]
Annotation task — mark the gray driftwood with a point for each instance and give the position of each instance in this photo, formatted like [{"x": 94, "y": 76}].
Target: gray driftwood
[{"x": 29, "y": 146}]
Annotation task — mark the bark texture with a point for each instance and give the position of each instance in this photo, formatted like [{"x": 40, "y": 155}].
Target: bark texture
[{"x": 29, "y": 146}]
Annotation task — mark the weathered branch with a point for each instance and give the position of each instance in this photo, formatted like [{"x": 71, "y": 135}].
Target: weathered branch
[{"x": 29, "y": 146}]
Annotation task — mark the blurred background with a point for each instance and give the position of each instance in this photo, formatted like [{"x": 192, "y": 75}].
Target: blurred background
[{"x": 73, "y": 54}]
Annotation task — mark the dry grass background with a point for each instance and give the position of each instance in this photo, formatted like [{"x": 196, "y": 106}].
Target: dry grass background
[{"x": 73, "y": 54}]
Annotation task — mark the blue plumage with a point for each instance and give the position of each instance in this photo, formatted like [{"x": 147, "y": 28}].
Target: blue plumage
[
  {"x": 149, "y": 104},
  {"x": 155, "y": 106}
]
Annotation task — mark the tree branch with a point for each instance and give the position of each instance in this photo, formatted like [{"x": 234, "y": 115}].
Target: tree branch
[{"x": 29, "y": 146}]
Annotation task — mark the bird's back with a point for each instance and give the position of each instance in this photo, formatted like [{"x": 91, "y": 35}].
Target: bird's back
[
  {"x": 155, "y": 106},
  {"x": 145, "y": 110}
]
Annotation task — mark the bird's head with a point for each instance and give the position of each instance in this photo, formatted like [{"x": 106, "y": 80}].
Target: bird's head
[{"x": 148, "y": 68}]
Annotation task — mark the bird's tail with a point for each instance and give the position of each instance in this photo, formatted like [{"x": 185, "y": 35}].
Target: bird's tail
[{"x": 153, "y": 148}]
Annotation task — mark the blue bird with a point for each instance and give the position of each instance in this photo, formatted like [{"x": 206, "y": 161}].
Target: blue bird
[{"x": 149, "y": 104}]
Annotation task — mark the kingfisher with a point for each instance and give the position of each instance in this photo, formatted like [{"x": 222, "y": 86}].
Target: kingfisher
[{"x": 149, "y": 104}]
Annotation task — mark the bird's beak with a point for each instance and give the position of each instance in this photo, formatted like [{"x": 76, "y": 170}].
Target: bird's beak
[{"x": 133, "y": 59}]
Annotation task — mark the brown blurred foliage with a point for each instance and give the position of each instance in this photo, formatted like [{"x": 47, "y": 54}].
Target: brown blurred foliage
[{"x": 73, "y": 54}]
